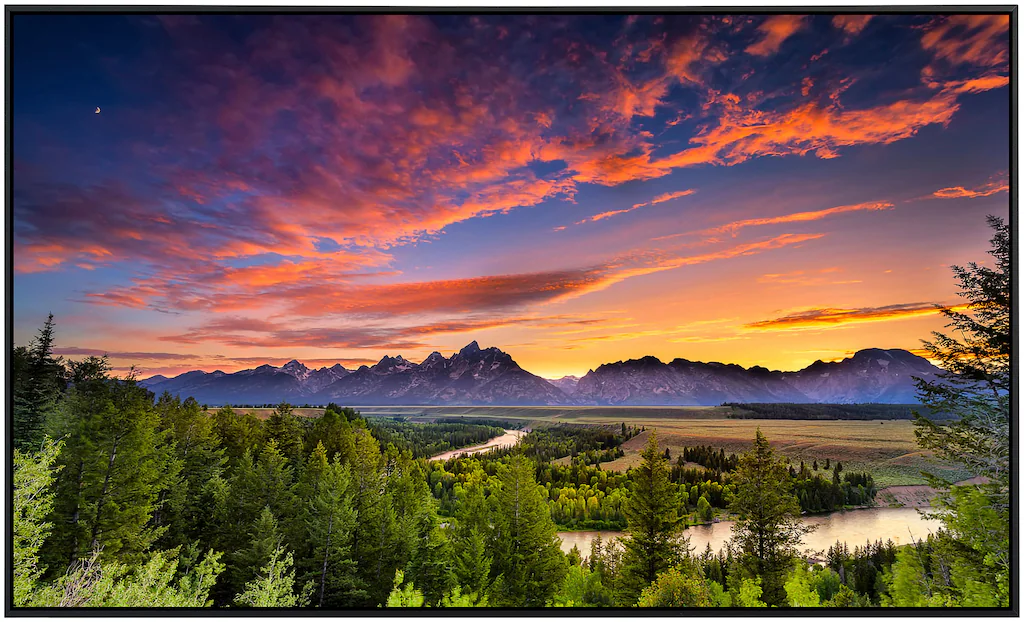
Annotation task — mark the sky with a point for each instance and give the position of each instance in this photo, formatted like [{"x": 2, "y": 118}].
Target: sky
[{"x": 218, "y": 192}]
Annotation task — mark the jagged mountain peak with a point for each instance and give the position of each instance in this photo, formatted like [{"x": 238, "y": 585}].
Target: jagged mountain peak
[
  {"x": 296, "y": 369},
  {"x": 491, "y": 376}
]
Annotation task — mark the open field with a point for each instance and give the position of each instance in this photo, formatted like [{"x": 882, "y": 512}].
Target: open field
[
  {"x": 558, "y": 414},
  {"x": 884, "y": 448}
]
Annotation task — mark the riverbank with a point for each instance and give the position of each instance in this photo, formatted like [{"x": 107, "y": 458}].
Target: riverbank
[{"x": 508, "y": 439}]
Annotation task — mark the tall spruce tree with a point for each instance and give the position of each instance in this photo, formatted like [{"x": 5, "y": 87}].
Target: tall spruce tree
[
  {"x": 375, "y": 523},
  {"x": 768, "y": 530},
  {"x": 471, "y": 534},
  {"x": 185, "y": 508},
  {"x": 327, "y": 520},
  {"x": 975, "y": 387},
  {"x": 237, "y": 432},
  {"x": 528, "y": 562},
  {"x": 263, "y": 537},
  {"x": 286, "y": 430},
  {"x": 654, "y": 543},
  {"x": 38, "y": 382},
  {"x": 114, "y": 467},
  {"x": 334, "y": 431}
]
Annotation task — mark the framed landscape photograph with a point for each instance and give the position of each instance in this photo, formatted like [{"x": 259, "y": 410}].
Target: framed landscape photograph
[{"x": 612, "y": 310}]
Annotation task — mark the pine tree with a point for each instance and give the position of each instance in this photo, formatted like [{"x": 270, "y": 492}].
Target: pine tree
[
  {"x": 267, "y": 483},
  {"x": 975, "y": 387},
  {"x": 237, "y": 432},
  {"x": 334, "y": 431},
  {"x": 328, "y": 521},
  {"x": 38, "y": 381},
  {"x": 263, "y": 538},
  {"x": 185, "y": 507},
  {"x": 768, "y": 529},
  {"x": 286, "y": 430},
  {"x": 274, "y": 586},
  {"x": 654, "y": 543},
  {"x": 432, "y": 564},
  {"x": 528, "y": 563},
  {"x": 375, "y": 523},
  {"x": 471, "y": 529},
  {"x": 114, "y": 467}
]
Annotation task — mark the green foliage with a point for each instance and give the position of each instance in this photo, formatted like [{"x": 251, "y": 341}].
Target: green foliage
[
  {"x": 527, "y": 563},
  {"x": 585, "y": 444},
  {"x": 799, "y": 589},
  {"x": 156, "y": 583},
  {"x": 263, "y": 538},
  {"x": 115, "y": 465},
  {"x": 654, "y": 543},
  {"x": 768, "y": 529},
  {"x": 327, "y": 521},
  {"x": 908, "y": 586},
  {"x": 429, "y": 439},
  {"x": 583, "y": 588},
  {"x": 719, "y": 596},
  {"x": 432, "y": 565},
  {"x": 199, "y": 458},
  {"x": 704, "y": 510},
  {"x": 976, "y": 388},
  {"x": 674, "y": 588},
  {"x": 237, "y": 432},
  {"x": 287, "y": 431},
  {"x": 38, "y": 384},
  {"x": 407, "y": 596},
  {"x": 32, "y": 501},
  {"x": 373, "y": 547},
  {"x": 750, "y": 593},
  {"x": 471, "y": 534},
  {"x": 334, "y": 432},
  {"x": 457, "y": 599},
  {"x": 274, "y": 586}
]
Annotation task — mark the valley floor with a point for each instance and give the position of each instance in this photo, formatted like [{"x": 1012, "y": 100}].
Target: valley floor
[{"x": 884, "y": 448}]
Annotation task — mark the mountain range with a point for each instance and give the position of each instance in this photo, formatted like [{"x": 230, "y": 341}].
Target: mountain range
[{"x": 489, "y": 376}]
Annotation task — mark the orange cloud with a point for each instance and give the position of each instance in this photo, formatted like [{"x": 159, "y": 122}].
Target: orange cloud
[
  {"x": 660, "y": 264},
  {"x": 742, "y": 134},
  {"x": 775, "y": 30},
  {"x": 733, "y": 227},
  {"x": 825, "y": 318},
  {"x": 661, "y": 198},
  {"x": 852, "y": 24},
  {"x": 995, "y": 186},
  {"x": 981, "y": 40},
  {"x": 668, "y": 196}
]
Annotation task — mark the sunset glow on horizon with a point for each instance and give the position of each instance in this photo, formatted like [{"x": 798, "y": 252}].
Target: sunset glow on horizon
[{"x": 575, "y": 190}]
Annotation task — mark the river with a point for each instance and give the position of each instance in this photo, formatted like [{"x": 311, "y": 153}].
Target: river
[
  {"x": 509, "y": 438},
  {"x": 855, "y": 527}
]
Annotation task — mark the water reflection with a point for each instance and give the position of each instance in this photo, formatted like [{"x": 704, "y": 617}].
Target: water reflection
[{"x": 854, "y": 527}]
